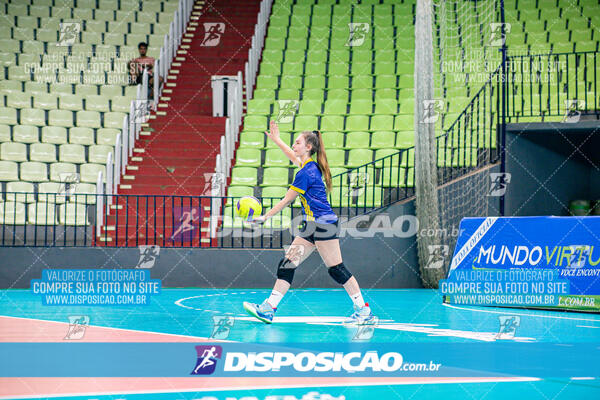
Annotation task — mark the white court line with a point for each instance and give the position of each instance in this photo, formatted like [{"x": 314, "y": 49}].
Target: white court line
[
  {"x": 587, "y": 326},
  {"x": 510, "y": 311},
  {"x": 271, "y": 387}
]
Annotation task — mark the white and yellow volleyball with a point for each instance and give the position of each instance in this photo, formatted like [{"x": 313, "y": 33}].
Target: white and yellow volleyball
[{"x": 248, "y": 207}]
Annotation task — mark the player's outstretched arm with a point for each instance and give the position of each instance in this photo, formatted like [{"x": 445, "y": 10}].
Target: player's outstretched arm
[
  {"x": 273, "y": 134},
  {"x": 289, "y": 197}
]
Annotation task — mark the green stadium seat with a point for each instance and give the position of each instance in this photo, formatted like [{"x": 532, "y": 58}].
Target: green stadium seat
[
  {"x": 405, "y": 139},
  {"x": 276, "y": 192},
  {"x": 10, "y": 46},
  {"x": 288, "y": 94},
  {"x": 22, "y": 192},
  {"x": 73, "y": 214},
  {"x": 358, "y": 157},
  {"x": 338, "y": 107},
  {"x": 384, "y": 68},
  {"x": 96, "y": 103},
  {"x": 314, "y": 81},
  {"x": 8, "y": 116},
  {"x": 83, "y": 136},
  {"x": 332, "y": 123},
  {"x": 240, "y": 191},
  {"x": 406, "y": 81},
  {"x": 5, "y": 135},
  {"x": 12, "y": 213},
  {"x": 361, "y": 106},
  {"x": 339, "y": 197},
  {"x": 105, "y": 136},
  {"x": 336, "y": 157},
  {"x": 286, "y": 137},
  {"x": 85, "y": 193},
  {"x": 255, "y": 122},
  {"x": 371, "y": 196},
  {"x": 357, "y": 123},
  {"x": 291, "y": 69},
  {"x": 114, "y": 120},
  {"x": 397, "y": 177},
  {"x": 60, "y": 118},
  {"x": 46, "y": 101},
  {"x": 383, "y": 140},
  {"x": 26, "y": 21},
  {"x": 98, "y": 154},
  {"x": 248, "y": 157},
  {"x": 12, "y": 151},
  {"x": 42, "y": 213},
  {"x": 309, "y": 107},
  {"x": 43, "y": 152},
  {"x": 39, "y": 11},
  {"x": 333, "y": 140},
  {"x": 10, "y": 86},
  {"x": 315, "y": 69},
  {"x": 26, "y": 134},
  {"x": 362, "y": 82},
  {"x": 18, "y": 100},
  {"x": 33, "y": 171},
  {"x": 120, "y": 104},
  {"x": 306, "y": 123},
  {"x": 258, "y": 106},
  {"x": 90, "y": 119},
  {"x": 407, "y": 106},
  {"x": 71, "y": 153},
  {"x": 252, "y": 139},
  {"x": 54, "y": 134},
  {"x": 338, "y": 82},
  {"x": 243, "y": 176},
  {"x": 89, "y": 172},
  {"x": 72, "y": 102},
  {"x": 267, "y": 82},
  {"x": 382, "y": 123},
  {"x": 114, "y": 92},
  {"x": 386, "y": 81},
  {"x": 381, "y": 153},
  {"x": 275, "y": 176},
  {"x": 32, "y": 116},
  {"x": 357, "y": 139},
  {"x": 61, "y": 88},
  {"x": 276, "y": 158},
  {"x": 313, "y": 95},
  {"x": 8, "y": 170}
]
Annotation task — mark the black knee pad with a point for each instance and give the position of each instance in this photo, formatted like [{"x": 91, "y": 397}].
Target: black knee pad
[
  {"x": 339, "y": 273},
  {"x": 286, "y": 270}
]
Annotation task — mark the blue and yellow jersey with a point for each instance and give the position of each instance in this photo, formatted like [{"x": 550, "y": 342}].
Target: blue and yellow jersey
[{"x": 313, "y": 195}]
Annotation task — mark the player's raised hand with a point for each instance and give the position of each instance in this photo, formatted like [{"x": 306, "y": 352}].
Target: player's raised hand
[{"x": 273, "y": 132}]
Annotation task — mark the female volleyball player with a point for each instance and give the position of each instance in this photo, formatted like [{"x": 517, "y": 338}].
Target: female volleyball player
[{"x": 319, "y": 227}]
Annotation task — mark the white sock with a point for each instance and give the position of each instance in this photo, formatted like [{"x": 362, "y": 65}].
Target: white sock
[
  {"x": 275, "y": 298},
  {"x": 357, "y": 299}
]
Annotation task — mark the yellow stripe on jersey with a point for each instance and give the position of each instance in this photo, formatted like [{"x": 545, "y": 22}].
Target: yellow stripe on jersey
[
  {"x": 307, "y": 210},
  {"x": 297, "y": 189}
]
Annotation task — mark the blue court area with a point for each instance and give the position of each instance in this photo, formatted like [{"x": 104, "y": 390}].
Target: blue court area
[
  {"x": 315, "y": 315},
  {"x": 409, "y": 316}
]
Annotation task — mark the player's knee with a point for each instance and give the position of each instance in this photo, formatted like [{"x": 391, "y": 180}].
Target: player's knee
[
  {"x": 286, "y": 270},
  {"x": 339, "y": 273}
]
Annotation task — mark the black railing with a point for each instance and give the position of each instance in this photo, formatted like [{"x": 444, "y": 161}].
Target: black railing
[
  {"x": 552, "y": 85},
  {"x": 473, "y": 140}
]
